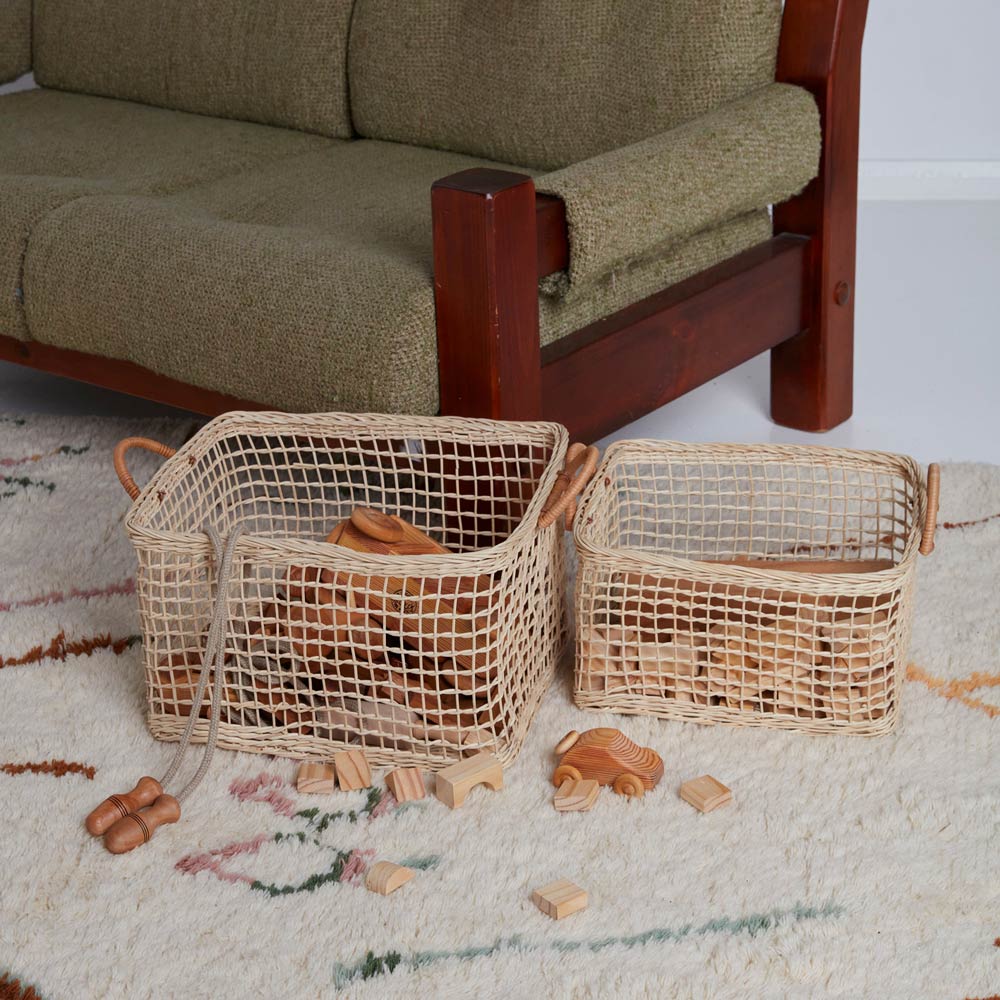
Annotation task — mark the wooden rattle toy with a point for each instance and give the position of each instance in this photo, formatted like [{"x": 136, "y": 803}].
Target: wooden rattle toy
[
  {"x": 137, "y": 827},
  {"x": 116, "y": 807},
  {"x": 609, "y": 757}
]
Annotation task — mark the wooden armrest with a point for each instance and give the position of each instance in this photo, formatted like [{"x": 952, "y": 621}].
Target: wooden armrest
[{"x": 553, "y": 238}]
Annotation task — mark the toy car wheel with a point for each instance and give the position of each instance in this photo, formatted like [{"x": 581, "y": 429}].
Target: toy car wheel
[
  {"x": 565, "y": 772},
  {"x": 630, "y": 786}
]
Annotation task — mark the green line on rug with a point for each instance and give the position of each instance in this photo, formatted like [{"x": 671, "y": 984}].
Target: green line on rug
[
  {"x": 319, "y": 821},
  {"x": 755, "y": 923},
  {"x": 332, "y": 874},
  {"x": 16, "y": 421},
  {"x": 24, "y": 483}
]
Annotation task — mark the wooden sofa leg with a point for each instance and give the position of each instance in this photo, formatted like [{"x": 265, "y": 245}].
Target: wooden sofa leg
[
  {"x": 486, "y": 295},
  {"x": 812, "y": 375}
]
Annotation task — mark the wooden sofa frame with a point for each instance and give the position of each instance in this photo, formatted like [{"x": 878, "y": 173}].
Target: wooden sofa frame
[{"x": 494, "y": 237}]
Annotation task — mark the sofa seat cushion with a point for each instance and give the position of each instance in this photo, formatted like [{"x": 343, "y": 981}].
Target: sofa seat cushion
[
  {"x": 306, "y": 285},
  {"x": 57, "y": 147}
]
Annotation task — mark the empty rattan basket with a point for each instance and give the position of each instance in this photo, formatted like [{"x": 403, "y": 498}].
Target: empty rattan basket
[
  {"x": 755, "y": 585},
  {"x": 418, "y": 659}
]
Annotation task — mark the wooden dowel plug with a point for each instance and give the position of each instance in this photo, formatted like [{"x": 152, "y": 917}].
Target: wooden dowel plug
[
  {"x": 116, "y": 807},
  {"x": 136, "y": 828}
]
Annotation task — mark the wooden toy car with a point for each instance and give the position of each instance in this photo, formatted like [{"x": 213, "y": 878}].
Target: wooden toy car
[{"x": 608, "y": 757}]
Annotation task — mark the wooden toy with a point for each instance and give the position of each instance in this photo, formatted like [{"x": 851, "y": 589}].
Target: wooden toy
[
  {"x": 137, "y": 827},
  {"x": 116, "y": 807},
  {"x": 610, "y": 758},
  {"x": 576, "y": 796},
  {"x": 705, "y": 793},
  {"x": 315, "y": 778},
  {"x": 453, "y": 784},
  {"x": 353, "y": 771},
  {"x": 406, "y": 784},
  {"x": 385, "y": 877},
  {"x": 560, "y": 899}
]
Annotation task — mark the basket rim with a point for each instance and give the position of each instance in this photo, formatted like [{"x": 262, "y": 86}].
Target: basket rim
[
  {"x": 626, "y": 557},
  {"x": 173, "y": 470}
]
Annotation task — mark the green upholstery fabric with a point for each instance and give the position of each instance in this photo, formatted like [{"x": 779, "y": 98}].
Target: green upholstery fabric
[
  {"x": 546, "y": 83},
  {"x": 561, "y": 316},
  {"x": 306, "y": 285},
  {"x": 639, "y": 200},
  {"x": 15, "y": 39},
  {"x": 276, "y": 63},
  {"x": 56, "y": 147}
]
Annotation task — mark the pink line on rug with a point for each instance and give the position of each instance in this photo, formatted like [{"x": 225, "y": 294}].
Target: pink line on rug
[
  {"x": 356, "y": 865},
  {"x": 212, "y": 861},
  {"x": 264, "y": 788},
  {"x": 125, "y": 587}
]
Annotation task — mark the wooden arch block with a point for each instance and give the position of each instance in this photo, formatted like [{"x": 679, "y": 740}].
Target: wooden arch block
[
  {"x": 385, "y": 877},
  {"x": 454, "y": 783}
]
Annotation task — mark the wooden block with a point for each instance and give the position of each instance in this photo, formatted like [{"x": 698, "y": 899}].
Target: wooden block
[
  {"x": 385, "y": 877},
  {"x": 705, "y": 793},
  {"x": 353, "y": 771},
  {"x": 560, "y": 899},
  {"x": 453, "y": 783},
  {"x": 576, "y": 796},
  {"x": 406, "y": 784},
  {"x": 315, "y": 778}
]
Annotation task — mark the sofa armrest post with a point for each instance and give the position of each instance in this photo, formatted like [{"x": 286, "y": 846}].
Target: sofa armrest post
[
  {"x": 486, "y": 295},
  {"x": 812, "y": 375}
]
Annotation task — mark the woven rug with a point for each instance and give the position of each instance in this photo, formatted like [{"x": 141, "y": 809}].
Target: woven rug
[{"x": 844, "y": 867}]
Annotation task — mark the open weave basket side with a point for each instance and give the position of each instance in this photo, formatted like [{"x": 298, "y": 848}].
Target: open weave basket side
[
  {"x": 417, "y": 658},
  {"x": 669, "y": 623}
]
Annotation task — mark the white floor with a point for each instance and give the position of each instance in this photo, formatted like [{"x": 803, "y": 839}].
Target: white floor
[{"x": 927, "y": 356}]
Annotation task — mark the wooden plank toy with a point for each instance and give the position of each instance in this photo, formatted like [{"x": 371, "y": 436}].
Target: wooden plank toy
[
  {"x": 705, "y": 793},
  {"x": 576, "y": 796},
  {"x": 453, "y": 784},
  {"x": 315, "y": 778},
  {"x": 353, "y": 771},
  {"x": 406, "y": 784},
  {"x": 560, "y": 899},
  {"x": 610, "y": 758},
  {"x": 384, "y": 877}
]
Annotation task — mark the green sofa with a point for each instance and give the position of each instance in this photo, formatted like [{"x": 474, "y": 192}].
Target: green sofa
[{"x": 235, "y": 194}]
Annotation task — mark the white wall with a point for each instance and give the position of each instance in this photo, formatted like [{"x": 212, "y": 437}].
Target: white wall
[
  {"x": 930, "y": 104},
  {"x": 930, "y": 114}
]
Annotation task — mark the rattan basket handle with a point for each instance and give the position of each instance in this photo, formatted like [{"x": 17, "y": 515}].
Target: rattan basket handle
[
  {"x": 930, "y": 520},
  {"x": 581, "y": 464},
  {"x": 120, "y": 467}
]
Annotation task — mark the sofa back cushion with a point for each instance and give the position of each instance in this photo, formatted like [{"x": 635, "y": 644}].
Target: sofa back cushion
[
  {"x": 546, "y": 83},
  {"x": 276, "y": 62}
]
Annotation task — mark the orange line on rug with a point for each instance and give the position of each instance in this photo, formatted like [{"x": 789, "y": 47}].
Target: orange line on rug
[
  {"x": 123, "y": 588},
  {"x": 57, "y": 768},
  {"x": 60, "y": 648},
  {"x": 969, "y": 524},
  {"x": 958, "y": 689}
]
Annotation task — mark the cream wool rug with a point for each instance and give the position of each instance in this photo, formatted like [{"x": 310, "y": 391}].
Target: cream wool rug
[{"x": 844, "y": 868}]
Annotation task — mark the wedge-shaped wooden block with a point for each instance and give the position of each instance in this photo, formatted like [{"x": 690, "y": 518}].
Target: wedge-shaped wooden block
[
  {"x": 384, "y": 877},
  {"x": 453, "y": 783},
  {"x": 576, "y": 796},
  {"x": 353, "y": 771},
  {"x": 560, "y": 899},
  {"x": 406, "y": 784},
  {"x": 315, "y": 778},
  {"x": 705, "y": 793}
]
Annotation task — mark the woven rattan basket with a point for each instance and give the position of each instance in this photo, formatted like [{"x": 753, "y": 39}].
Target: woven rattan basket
[
  {"x": 418, "y": 659},
  {"x": 764, "y": 585}
]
